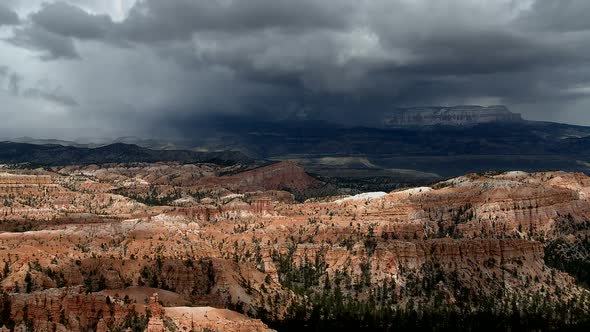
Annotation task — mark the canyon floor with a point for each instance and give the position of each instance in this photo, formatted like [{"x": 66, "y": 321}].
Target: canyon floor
[{"x": 206, "y": 247}]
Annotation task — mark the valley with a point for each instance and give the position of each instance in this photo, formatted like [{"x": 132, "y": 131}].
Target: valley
[{"x": 171, "y": 246}]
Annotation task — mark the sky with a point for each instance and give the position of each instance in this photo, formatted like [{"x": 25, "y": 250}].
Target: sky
[{"x": 153, "y": 68}]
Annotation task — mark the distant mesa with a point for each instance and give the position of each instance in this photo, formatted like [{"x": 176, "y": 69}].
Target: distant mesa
[{"x": 464, "y": 115}]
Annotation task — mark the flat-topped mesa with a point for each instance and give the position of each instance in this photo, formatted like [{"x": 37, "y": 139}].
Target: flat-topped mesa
[{"x": 463, "y": 115}]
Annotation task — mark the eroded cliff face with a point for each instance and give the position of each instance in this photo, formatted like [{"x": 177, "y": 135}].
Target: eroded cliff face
[
  {"x": 456, "y": 115},
  {"x": 73, "y": 309},
  {"x": 469, "y": 246},
  {"x": 475, "y": 206}
]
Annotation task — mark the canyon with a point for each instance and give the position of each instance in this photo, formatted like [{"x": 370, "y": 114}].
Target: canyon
[{"x": 167, "y": 246}]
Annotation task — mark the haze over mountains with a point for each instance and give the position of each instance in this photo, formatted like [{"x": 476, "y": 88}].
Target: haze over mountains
[{"x": 414, "y": 146}]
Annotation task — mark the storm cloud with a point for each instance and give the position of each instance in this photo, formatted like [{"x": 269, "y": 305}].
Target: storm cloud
[
  {"x": 155, "y": 67},
  {"x": 7, "y": 16},
  {"x": 70, "y": 21}
]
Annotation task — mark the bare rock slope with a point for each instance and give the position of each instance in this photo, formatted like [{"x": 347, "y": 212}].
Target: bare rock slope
[{"x": 478, "y": 251}]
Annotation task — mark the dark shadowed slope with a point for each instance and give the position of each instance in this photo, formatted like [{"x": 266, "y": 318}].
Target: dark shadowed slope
[{"x": 114, "y": 153}]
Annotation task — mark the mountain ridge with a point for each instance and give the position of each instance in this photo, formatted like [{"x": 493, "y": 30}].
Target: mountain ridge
[{"x": 55, "y": 154}]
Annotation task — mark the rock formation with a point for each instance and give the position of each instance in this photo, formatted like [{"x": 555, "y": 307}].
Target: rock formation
[
  {"x": 192, "y": 245},
  {"x": 455, "y": 116}
]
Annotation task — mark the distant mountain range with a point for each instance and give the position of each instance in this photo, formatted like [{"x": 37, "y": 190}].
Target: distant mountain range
[
  {"x": 53, "y": 154},
  {"x": 153, "y": 144},
  {"x": 415, "y": 145}
]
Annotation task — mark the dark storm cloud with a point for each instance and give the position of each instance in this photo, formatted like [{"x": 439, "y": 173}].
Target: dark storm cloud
[
  {"x": 7, "y": 16},
  {"x": 563, "y": 15},
  {"x": 155, "y": 20},
  {"x": 178, "y": 61},
  {"x": 348, "y": 47},
  {"x": 70, "y": 21},
  {"x": 51, "y": 45},
  {"x": 481, "y": 52},
  {"x": 54, "y": 28}
]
